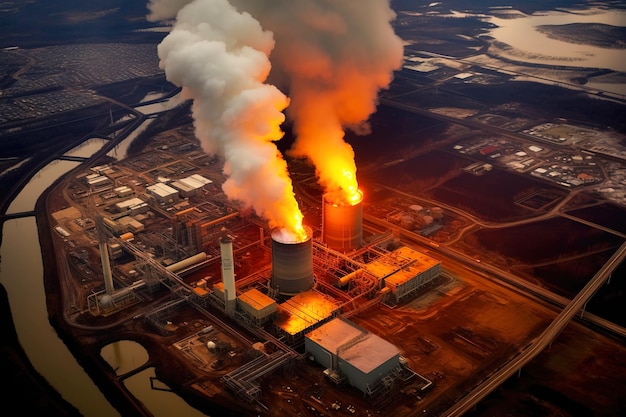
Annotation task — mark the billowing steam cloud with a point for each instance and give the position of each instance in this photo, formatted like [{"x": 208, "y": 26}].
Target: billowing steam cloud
[
  {"x": 332, "y": 57},
  {"x": 220, "y": 57},
  {"x": 335, "y": 57}
]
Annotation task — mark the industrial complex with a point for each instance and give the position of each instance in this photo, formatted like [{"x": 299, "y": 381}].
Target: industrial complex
[{"x": 157, "y": 232}]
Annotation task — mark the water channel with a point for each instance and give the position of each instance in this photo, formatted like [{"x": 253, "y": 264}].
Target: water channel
[{"x": 22, "y": 276}]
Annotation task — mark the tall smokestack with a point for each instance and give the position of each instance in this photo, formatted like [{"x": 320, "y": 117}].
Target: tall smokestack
[
  {"x": 228, "y": 274},
  {"x": 106, "y": 268},
  {"x": 342, "y": 222},
  {"x": 292, "y": 262}
]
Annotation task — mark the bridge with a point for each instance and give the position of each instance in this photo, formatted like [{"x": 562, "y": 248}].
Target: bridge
[{"x": 542, "y": 341}]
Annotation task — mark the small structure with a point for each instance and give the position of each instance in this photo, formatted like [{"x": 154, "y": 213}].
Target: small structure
[{"x": 256, "y": 306}]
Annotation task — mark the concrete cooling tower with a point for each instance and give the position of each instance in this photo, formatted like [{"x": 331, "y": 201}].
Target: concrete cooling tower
[
  {"x": 342, "y": 223},
  {"x": 292, "y": 263}
]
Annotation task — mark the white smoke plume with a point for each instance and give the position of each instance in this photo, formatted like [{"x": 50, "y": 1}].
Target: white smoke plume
[
  {"x": 332, "y": 57},
  {"x": 335, "y": 56},
  {"x": 220, "y": 58},
  {"x": 161, "y": 10}
]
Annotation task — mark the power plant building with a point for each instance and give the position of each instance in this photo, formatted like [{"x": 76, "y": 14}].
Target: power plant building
[
  {"x": 351, "y": 354},
  {"x": 404, "y": 271},
  {"x": 303, "y": 312},
  {"x": 257, "y": 306}
]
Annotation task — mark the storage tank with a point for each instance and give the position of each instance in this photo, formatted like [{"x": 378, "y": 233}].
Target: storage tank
[
  {"x": 436, "y": 212},
  {"x": 292, "y": 262},
  {"x": 407, "y": 221},
  {"x": 342, "y": 223},
  {"x": 187, "y": 263}
]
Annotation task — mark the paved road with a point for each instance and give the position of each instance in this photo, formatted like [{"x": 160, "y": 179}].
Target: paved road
[{"x": 542, "y": 341}]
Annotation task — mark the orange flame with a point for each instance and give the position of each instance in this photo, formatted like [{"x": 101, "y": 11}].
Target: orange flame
[
  {"x": 349, "y": 187},
  {"x": 297, "y": 228}
]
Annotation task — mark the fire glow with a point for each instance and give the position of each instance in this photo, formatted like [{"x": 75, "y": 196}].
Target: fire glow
[
  {"x": 332, "y": 58},
  {"x": 286, "y": 236}
]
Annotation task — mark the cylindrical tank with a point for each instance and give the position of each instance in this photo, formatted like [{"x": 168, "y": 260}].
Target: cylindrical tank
[
  {"x": 292, "y": 263},
  {"x": 128, "y": 236},
  {"x": 187, "y": 262},
  {"x": 342, "y": 223},
  {"x": 436, "y": 212},
  {"x": 407, "y": 221}
]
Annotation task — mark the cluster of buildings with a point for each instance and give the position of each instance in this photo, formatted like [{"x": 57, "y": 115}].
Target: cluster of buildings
[{"x": 566, "y": 168}]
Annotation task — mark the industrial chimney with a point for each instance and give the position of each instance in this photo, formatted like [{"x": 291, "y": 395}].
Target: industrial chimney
[
  {"x": 106, "y": 267},
  {"x": 228, "y": 275},
  {"x": 342, "y": 222},
  {"x": 292, "y": 263}
]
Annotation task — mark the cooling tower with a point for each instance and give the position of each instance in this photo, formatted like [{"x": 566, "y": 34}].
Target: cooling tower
[
  {"x": 342, "y": 223},
  {"x": 228, "y": 274},
  {"x": 292, "y": 263}
]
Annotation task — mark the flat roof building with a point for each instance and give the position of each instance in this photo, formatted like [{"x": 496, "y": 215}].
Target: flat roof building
[
  {"x": 404, "y": 271},
  {"x": 190, "y": 185},
  {"x": 352, "y": 354},
  {"x": 163, "y": 193},
  {"x": 304, "y": 311},
  {"x": 258, "y": 306}
]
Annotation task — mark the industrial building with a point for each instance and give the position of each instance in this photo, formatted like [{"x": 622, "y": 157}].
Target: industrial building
[
  {"x": 353, "y": 355},
  {"x": 405, "y": 271},
  {"x": 258, "y": 307},
  {"x": 303, "y": 312},
  {"x": 190, "y": 186},
  {"x": 163, "y": 193},
  {"x": 298, "y": 302},
  {"x": 133, "y": 206}
]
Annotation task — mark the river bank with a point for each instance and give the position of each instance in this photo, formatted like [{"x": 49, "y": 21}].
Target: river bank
[{"x": 26, "y": 390}]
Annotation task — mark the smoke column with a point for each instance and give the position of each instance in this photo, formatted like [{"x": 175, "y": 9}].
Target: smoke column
[
  {"x": 332, "y": 57},
  {"x": 335, "y": 56},
  {"x": 220, "y": 58}
]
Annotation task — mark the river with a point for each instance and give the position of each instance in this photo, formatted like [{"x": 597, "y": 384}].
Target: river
[
  {"x": 538, "y": 47},
  {"x": 22, "y": 276}
]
